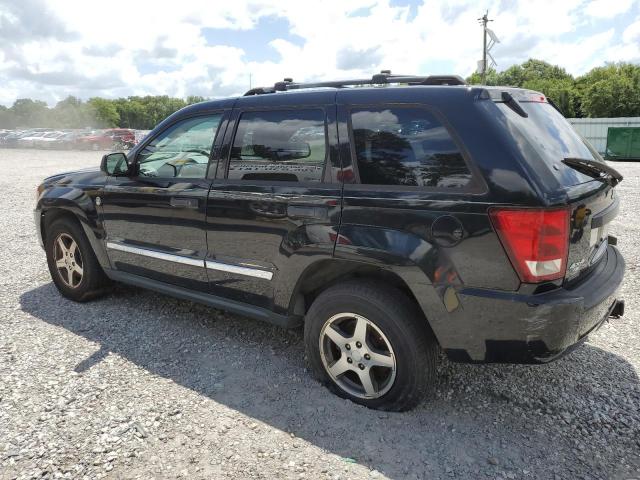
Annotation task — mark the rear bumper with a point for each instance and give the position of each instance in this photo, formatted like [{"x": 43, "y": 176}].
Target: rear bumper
[{"x": 515, "y": 328}]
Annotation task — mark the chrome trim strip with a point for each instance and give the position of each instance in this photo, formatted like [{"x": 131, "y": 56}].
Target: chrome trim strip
[
  {"x": 250, "y": 272},
  {"x": 154, "y": 254}
]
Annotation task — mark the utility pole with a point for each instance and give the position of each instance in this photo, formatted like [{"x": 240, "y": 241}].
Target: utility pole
[
  {"x": 486, "y": 46},
  {"x": 483, "y": 21}
]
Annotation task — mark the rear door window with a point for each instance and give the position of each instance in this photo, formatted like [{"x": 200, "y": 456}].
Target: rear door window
[{"x": 406, "y": 146}]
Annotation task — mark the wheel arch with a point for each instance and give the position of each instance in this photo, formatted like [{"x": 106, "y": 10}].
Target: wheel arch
[
  {"x": 88, "y": 221},
  {"x": 324, "y": 274}
]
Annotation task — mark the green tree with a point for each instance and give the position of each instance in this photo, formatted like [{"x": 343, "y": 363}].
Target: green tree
[
  {"x": 73, "y": 113},
  {"x": 476, "y": 78},
  {"x": 131, "y": 111},
  {"x": 191, "y": 99},
  {"x": 610, "y": 91},
  {"x": 534, "y": 69},
  {"x": 7, "y": 120},
  {"x": 561, "y": 92},
  {"x": 518, "y": 75},
  {"x": 106, "y": 113},
  {"x": 614, "y": 97},
  {"x": 541, "y": 76},
  {"x": 32, "y": 113}
]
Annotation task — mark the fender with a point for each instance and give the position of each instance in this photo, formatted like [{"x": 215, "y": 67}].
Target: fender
[
  {"x": 306, "y": 246},
  {"x": 425, "y": 268},
  {"x": 80, "y": 201}
]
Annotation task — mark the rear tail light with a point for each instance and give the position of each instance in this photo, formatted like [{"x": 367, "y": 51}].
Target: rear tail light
[{"x": 536, "y": 240}]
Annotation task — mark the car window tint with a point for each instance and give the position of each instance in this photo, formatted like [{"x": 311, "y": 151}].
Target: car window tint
[
  {"x": 406, "y": 146},
  {"x": 180, "y": 151},
  {"x": 548, "y": 137},
  {"x": 287, "y": 145}
]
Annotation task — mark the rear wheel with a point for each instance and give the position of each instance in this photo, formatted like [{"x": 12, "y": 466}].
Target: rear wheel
[
  {"x": 74, "y": 268},
  {"x": 370, "y": 344}
]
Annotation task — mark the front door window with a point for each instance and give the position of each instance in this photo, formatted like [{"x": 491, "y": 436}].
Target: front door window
[{"x": 182, "y": 150}]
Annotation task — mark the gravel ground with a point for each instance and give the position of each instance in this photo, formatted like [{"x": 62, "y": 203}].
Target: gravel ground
[{"x": 136, "y": 385}]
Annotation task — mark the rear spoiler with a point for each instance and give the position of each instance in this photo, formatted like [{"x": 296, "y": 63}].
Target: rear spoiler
[{"x": 518, "y": 94}]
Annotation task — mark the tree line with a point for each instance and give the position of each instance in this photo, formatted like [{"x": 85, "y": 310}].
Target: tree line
[
  {"x": 612, "y": 90},
  {"x": 136, "y": 112}
]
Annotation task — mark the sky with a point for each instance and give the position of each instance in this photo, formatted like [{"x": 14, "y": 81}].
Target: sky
[{"x": 50, "y": 49}]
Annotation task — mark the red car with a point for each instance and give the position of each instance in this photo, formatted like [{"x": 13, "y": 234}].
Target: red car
[{"x": 108, "y": 139}]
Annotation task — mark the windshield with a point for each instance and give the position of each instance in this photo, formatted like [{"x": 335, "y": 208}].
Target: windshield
[{"x": 547, "y": 135}]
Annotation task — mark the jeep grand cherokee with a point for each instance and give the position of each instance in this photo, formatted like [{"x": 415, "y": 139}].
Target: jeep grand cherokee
[{"x": 390, "y": 222}]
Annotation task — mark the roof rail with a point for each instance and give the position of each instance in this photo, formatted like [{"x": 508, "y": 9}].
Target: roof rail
[{"x": 382, "y": 78}]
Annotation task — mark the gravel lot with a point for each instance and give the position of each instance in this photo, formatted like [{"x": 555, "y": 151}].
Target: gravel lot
[{"x": 136, "y": 385}]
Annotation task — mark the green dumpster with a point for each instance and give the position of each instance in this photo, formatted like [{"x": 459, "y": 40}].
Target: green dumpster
[{"x": 623, "y": 143}]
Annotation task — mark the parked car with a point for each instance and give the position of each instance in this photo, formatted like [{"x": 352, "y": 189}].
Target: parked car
[
  {"x": 4, "y": 135},
  {"x": 95, "y": 140},
  {"x": 29, "y": 140},
  {"x": 389, "y": 222},
  {"x": 117, "y": 138},
  {"x": 124, "y": 137},
  {"x": 11, "y": 140},
  {"x": 47, "y": 140},
  {"x": 67, "y": 141}
]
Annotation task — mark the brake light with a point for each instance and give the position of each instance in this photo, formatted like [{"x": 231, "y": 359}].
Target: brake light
[
  {"x": 536, "y": 240},
  {"x": 532, "y": 97}
]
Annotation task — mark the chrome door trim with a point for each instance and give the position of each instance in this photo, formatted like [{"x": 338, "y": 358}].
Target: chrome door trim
[
  {"x": 209, "y": 264},
  {"x": 155, "y": 254},
  {"x": 247, "y": 271}
]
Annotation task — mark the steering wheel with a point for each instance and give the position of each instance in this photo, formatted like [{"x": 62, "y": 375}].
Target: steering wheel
[{"x": 184, "y": 163}]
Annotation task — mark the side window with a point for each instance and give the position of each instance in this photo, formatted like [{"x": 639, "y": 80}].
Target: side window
[
  {"x": 182, "y": 150},
  {"x": 406, "y": 146},
  {"x": 287, "y": 145}
]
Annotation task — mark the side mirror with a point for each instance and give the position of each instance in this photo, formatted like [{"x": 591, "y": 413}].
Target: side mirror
[{"x": 115, "y": 164}]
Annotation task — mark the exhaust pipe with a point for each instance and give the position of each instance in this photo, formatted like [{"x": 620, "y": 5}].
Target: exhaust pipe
[{"x": 618, "y": 309}]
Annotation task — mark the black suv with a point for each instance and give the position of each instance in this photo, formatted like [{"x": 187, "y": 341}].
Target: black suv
[{"x": 390, "y": 221}]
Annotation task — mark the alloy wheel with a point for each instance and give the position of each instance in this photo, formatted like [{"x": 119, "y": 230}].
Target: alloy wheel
[
  {"x": 68, "y": 260},
  {"x": 357, "y": 355}
]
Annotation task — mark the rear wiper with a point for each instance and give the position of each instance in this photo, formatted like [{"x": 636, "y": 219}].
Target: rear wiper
[{"x": 597, "y": 170}]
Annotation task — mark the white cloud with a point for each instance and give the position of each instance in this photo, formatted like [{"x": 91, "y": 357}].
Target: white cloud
[
  {"x": 632, "y": 33},
  {"x": 128, "y": 47},
  {"x": 608, "y": 8}
]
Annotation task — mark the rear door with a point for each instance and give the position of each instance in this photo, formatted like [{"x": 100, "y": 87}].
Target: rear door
[
  {"x": 275, "y": 206},
  {"x": 155, "y": 219}
]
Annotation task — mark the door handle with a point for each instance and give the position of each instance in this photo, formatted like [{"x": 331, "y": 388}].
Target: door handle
[
  {"x": 307, "y": 211},
  {"x": 184, "y": 202}
]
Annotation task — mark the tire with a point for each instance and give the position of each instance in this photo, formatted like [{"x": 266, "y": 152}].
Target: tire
[
  {"x": 394, "y": 328},
  {"x": 83, "y": 285}
]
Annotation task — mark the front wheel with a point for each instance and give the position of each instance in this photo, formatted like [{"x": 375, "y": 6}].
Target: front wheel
[
  {"x": 74, "y": 268},
  {"x": 370, "y": 344}
]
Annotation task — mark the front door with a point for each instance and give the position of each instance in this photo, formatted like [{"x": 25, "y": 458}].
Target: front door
[{"x": 155, "y": 218}]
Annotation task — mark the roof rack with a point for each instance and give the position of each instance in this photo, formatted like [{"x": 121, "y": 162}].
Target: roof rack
[{"x": 382, "y": 78}]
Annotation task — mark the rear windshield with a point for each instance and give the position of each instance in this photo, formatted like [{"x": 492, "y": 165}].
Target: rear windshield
[{"x": 550, "y": 137}]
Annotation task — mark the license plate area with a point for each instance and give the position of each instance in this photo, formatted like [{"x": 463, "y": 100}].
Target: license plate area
[
  {"x": 598, "y": 243},
  {"x": 599, "y": 234}
]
